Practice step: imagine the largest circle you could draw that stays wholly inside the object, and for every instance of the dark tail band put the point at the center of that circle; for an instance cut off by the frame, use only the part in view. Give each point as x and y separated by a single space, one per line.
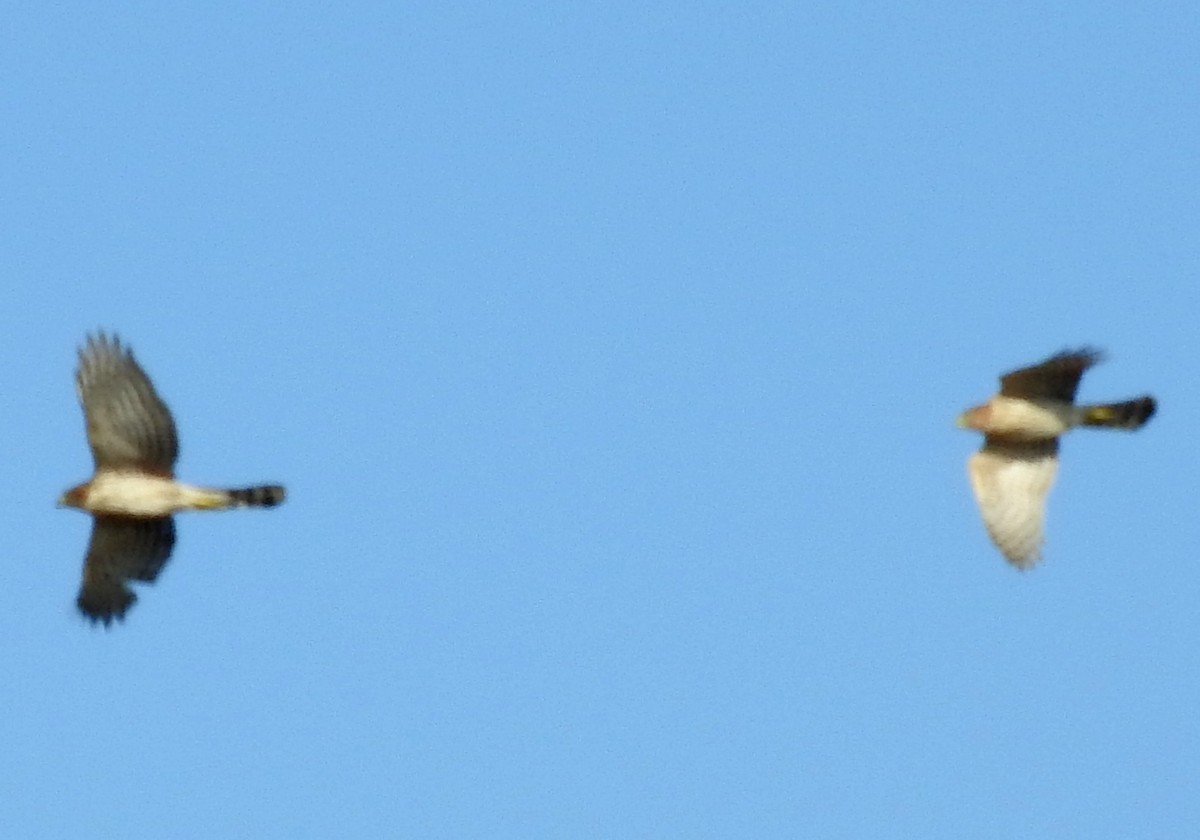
1131 414
267 495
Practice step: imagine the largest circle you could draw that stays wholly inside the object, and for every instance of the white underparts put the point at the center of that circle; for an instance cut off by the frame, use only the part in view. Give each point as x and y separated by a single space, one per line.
143 495
1031 419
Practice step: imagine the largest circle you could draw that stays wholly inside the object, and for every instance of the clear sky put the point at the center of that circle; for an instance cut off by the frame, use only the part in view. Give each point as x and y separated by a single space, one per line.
610 354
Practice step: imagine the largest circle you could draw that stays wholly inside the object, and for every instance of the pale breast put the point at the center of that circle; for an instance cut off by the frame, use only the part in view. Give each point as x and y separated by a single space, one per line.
132 494
1029 419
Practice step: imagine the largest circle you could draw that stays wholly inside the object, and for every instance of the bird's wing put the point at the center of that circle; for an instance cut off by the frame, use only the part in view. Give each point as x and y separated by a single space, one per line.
122 549
1057 378
128 425
1011 481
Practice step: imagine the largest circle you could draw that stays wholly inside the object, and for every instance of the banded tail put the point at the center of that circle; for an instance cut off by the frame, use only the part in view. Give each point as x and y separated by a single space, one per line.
1131 414
266 495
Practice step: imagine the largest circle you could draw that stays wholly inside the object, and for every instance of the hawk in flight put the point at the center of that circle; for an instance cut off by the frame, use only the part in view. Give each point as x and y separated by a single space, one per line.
133 492
1012 473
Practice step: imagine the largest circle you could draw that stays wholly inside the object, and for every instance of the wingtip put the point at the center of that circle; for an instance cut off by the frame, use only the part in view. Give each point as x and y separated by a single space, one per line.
105 607
1024 565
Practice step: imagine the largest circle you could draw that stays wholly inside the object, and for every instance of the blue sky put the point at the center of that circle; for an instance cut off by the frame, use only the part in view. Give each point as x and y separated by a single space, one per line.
610 355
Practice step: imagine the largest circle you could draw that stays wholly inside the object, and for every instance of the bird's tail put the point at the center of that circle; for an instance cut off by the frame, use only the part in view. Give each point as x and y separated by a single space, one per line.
265 495
1131 414
209 498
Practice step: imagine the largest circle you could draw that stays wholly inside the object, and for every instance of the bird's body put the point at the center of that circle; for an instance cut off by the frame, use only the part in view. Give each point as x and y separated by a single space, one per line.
123 493
1024 419
133 493
1013 472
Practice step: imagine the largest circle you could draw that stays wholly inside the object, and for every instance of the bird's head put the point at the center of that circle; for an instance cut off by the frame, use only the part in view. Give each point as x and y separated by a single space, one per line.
977 418
74 497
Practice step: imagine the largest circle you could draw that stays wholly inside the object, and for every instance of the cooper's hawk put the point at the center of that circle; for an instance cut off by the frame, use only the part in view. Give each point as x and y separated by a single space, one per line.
133 492
1012 473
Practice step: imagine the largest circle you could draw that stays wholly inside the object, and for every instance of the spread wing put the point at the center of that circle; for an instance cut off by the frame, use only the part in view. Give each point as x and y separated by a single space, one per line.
122 549
1011 482
128 425
1057 378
